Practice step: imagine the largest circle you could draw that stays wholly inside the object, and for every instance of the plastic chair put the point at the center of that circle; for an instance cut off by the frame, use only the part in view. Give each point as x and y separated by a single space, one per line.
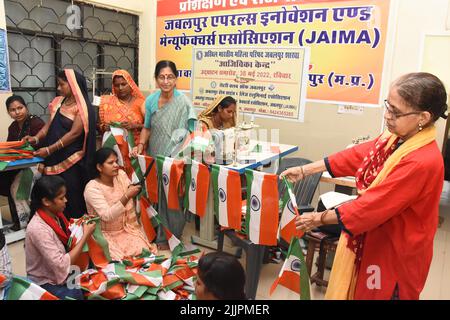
304 191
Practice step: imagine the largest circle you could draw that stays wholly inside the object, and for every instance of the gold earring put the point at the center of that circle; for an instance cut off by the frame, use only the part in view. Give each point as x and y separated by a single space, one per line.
420 126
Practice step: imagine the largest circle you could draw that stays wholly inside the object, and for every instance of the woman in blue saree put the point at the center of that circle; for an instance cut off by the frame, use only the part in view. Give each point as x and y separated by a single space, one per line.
169 117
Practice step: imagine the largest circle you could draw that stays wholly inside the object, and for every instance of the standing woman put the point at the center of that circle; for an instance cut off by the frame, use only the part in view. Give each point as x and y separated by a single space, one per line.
68 139
169 117
386 247
125 105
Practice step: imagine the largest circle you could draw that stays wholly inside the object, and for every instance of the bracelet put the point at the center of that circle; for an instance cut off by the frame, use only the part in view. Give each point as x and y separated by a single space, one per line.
36 140
323 216
62 144
48 150
303 172
126 197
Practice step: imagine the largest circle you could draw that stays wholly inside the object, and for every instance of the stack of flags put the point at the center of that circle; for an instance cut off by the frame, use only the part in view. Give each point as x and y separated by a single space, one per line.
14 150
145 277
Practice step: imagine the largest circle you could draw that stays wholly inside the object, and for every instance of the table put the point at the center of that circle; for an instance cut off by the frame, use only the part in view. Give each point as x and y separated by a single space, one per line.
206 236
343 184
17 165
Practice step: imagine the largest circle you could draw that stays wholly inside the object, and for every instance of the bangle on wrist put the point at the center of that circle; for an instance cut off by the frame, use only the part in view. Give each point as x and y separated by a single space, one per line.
303 172
48 150
126 197
322 216
61 143
36 140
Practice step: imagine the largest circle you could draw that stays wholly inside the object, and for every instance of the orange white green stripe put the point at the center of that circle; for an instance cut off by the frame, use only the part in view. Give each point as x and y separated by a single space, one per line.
262 208
289 212
169 173
227 197
197 188
293 274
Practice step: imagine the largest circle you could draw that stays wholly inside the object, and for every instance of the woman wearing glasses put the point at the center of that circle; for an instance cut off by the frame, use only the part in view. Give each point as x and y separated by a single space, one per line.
386 247
169 117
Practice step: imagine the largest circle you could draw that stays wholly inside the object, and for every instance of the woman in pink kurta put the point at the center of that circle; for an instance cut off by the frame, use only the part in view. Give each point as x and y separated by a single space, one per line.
110 196
386 247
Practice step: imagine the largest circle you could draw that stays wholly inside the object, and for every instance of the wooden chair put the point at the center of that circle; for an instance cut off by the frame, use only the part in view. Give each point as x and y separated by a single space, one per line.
325 245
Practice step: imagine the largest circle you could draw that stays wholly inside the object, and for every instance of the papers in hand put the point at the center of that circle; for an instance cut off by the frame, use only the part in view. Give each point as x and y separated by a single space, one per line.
334 199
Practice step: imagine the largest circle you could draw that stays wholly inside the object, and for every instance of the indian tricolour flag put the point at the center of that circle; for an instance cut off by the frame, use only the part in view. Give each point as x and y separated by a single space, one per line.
262 207
197 187
98 248
289 211
227 197
149 218
119 140
24 290
175 244
76 233
169 173
293 274
151 181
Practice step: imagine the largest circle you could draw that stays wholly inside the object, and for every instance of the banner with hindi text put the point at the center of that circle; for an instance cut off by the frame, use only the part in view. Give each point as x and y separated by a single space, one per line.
266 81
347 39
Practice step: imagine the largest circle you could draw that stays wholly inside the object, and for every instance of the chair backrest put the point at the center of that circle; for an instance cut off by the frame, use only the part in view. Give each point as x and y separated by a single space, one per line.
304 189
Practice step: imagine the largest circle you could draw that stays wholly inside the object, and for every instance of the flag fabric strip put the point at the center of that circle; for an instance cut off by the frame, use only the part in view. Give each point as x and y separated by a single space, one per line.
227 197
151 181
262 208
294 274
197 188
289 211
23 290
169 174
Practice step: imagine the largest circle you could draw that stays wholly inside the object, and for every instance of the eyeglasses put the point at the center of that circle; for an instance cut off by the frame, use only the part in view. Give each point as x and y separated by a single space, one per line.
170 77
395 115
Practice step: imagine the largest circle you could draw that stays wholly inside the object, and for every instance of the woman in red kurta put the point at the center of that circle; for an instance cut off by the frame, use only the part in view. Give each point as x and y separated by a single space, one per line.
386 248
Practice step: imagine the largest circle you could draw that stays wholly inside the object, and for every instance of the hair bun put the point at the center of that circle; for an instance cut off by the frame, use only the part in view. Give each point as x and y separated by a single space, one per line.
444 114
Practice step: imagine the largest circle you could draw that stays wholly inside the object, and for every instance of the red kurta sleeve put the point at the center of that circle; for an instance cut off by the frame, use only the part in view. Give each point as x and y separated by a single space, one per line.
346 162
405 185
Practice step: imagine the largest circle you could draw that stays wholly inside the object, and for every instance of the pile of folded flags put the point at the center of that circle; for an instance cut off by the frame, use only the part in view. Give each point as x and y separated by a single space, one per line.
14 150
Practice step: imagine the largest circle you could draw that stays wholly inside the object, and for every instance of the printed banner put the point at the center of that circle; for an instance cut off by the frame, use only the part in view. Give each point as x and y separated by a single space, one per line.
347 39
266 81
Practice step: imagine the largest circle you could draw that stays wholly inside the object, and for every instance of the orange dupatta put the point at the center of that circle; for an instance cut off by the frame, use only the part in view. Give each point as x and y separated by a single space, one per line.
111 109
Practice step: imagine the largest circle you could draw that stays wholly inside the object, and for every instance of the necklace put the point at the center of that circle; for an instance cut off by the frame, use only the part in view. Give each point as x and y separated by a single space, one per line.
128 100
67 104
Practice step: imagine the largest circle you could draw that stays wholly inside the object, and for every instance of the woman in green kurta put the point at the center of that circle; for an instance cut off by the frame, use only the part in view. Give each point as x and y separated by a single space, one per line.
169 117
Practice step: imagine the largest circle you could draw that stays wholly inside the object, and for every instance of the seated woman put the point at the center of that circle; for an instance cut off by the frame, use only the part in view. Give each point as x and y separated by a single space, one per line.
220 277
110 197
125 105
47 259
221 114
23 125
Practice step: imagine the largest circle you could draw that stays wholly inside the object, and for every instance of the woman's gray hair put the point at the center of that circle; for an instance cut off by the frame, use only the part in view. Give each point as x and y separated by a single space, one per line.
423 92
